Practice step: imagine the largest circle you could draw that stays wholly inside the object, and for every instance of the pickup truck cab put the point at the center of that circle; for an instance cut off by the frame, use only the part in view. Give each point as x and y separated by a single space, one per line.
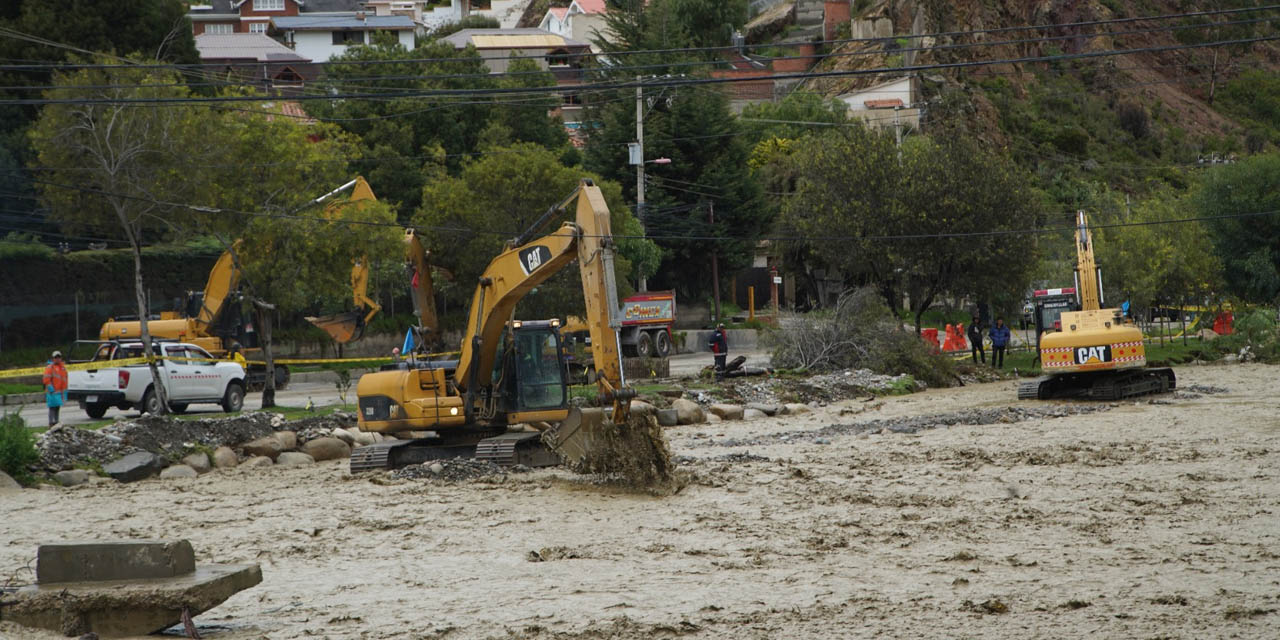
189 373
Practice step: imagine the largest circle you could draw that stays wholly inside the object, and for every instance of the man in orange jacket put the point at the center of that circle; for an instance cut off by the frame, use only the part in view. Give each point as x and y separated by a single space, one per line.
55 387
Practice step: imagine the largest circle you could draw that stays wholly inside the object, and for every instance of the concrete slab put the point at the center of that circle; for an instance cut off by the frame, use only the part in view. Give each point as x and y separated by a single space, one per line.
117 608
115 560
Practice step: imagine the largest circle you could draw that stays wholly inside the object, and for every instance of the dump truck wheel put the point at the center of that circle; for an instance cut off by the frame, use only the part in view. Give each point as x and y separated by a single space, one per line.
644 345
664 344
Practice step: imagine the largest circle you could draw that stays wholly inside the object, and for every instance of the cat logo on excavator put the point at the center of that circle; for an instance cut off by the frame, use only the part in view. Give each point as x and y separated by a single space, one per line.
1099 353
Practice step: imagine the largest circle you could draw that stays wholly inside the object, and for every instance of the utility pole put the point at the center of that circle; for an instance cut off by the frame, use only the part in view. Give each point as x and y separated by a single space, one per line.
897 128
715 261
643 283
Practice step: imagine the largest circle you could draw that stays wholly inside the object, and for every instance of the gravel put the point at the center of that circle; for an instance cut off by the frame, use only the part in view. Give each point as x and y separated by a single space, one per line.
1003 415
455 470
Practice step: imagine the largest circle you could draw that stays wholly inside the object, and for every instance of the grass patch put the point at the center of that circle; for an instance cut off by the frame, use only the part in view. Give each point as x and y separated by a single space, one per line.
7 388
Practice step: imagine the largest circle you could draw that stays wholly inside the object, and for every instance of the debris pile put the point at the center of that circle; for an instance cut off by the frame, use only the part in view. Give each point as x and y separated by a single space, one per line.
915 424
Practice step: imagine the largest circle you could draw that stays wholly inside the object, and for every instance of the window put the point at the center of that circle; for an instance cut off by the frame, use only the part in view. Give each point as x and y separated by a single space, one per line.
218 28
348 37
257 27
268 5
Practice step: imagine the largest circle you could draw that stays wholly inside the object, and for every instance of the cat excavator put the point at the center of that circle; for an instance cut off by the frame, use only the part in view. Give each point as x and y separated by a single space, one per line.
509 372
1094 352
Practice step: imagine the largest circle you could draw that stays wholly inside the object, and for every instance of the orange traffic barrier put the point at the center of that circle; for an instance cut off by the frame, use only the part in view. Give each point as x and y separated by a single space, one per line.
1222 325
930 336
955 340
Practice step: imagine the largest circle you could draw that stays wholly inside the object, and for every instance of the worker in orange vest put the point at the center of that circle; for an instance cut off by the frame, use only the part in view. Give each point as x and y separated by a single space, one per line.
55 387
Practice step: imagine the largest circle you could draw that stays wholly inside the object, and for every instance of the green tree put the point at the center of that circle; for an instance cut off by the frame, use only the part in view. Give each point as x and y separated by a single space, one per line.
708 172
529 118
641 25
1246 244
787 118
112 169
921 226
467 220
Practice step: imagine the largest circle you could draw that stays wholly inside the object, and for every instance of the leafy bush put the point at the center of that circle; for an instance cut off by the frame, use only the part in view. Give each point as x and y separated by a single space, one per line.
17 448
23 245
859 333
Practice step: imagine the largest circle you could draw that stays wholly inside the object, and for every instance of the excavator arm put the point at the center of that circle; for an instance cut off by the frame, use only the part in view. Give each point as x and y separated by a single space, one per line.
525 265
423 287
349 326
223 279
1088 275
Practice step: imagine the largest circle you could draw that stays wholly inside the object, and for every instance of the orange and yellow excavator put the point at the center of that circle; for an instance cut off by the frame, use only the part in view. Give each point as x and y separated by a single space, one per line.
1095 352
509 371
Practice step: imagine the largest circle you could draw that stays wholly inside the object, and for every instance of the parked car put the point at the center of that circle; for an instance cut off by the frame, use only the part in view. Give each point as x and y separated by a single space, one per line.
189 374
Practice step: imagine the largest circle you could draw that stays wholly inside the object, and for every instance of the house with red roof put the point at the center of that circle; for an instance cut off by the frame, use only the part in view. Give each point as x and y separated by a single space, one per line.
580 21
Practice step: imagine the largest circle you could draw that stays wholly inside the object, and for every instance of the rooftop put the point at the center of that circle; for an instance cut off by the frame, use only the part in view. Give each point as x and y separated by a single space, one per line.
591 6
244 46
329 23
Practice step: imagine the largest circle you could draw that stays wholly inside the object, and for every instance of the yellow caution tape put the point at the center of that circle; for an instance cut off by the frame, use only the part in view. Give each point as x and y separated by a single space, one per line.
79 366
106 364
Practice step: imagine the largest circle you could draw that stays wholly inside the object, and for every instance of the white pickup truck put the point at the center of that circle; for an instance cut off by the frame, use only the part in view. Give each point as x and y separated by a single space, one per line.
185 371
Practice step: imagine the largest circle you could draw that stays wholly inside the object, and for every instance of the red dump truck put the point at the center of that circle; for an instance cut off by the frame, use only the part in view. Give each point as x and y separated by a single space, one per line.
647 319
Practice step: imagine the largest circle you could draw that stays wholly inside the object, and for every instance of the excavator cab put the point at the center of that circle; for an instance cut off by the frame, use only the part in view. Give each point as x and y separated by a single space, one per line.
532 377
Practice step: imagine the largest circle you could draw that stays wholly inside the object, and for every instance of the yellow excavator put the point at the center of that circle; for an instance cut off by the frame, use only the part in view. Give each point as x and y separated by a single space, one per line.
1095 352
213 320
509 371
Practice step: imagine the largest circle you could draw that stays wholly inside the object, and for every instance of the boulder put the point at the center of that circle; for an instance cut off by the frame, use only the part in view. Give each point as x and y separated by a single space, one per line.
267 446
364 438
258 461
727 411
714 419
688 411
642 408
326 449
7 483
294 459
71 477
225 458
668 417
199 461
767 409
797 408
134 467
179 471
288 440
753 414
343 435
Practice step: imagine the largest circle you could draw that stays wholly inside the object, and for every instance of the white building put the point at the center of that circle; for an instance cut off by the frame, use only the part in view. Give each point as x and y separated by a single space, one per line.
887 104
580 21
321 37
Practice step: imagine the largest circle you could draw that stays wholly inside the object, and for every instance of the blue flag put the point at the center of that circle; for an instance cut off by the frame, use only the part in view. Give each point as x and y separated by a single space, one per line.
408 343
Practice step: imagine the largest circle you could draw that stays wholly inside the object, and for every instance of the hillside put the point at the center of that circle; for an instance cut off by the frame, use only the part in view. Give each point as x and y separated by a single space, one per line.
1121 121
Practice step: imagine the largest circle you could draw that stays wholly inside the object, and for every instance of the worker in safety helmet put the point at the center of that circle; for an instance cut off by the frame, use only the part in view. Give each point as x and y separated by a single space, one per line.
55 386
719 349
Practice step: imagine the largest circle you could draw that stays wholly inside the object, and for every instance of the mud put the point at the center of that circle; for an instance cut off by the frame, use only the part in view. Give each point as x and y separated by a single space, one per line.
1138 521
636 456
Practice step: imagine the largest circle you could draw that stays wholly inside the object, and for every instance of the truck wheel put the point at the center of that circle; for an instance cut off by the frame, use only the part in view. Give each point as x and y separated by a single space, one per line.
644 345
96 410
664 344
178 407
233 399
150 403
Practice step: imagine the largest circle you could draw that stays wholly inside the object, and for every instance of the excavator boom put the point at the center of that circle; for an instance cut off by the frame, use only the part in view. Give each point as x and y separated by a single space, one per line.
349 326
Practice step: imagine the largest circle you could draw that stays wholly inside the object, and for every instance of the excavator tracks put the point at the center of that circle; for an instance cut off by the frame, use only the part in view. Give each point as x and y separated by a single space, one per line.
1105 386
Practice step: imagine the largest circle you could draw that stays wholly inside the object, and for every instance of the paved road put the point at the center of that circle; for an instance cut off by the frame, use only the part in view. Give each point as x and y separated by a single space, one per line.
320 391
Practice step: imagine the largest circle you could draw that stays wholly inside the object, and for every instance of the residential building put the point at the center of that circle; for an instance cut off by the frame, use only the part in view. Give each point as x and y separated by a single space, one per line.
219 17
558 54
889 104
580 21
321 37
256 58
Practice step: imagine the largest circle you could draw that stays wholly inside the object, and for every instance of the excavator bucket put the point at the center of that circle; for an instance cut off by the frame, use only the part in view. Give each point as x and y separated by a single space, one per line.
589 442
342 327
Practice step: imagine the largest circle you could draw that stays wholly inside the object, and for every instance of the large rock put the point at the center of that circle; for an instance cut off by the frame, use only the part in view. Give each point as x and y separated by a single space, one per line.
71 477
288 440
753 414
327 449
225 458
365 438
134 467
642 408
258 461
668 418
179 471
766 409
294 459
268 446
7 483
688 411
797 408
199 461
343 435
726 411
